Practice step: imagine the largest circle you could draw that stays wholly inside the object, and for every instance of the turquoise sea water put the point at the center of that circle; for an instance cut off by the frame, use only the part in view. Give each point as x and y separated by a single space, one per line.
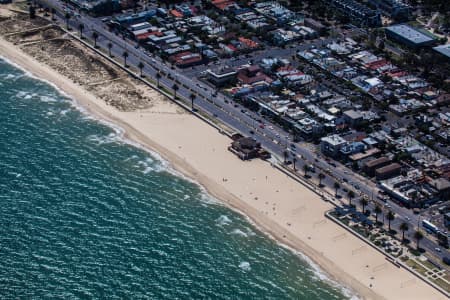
84 214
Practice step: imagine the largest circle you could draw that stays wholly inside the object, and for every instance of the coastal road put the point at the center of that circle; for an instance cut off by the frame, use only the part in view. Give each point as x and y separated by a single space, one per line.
271 136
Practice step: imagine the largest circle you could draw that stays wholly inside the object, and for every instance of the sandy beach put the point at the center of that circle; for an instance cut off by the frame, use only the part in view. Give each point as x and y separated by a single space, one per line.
277 204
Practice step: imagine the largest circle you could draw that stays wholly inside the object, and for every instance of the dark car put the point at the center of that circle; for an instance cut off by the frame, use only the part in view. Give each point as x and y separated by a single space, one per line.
446 260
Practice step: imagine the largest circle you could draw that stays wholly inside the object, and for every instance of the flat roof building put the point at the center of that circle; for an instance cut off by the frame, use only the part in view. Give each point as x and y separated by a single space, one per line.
444 50
331 145
353 117
388 171
409 36
372 165
221 76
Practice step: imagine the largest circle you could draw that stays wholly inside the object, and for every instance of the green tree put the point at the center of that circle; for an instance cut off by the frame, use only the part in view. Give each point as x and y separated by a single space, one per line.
141 66
418 235
32 11
125 56
95 37
337 186
158 77
404 227
67 17
321 177
192 97
363 201
350 195
110 45
81 28
390 216
305 169
377 210
175 89
285 155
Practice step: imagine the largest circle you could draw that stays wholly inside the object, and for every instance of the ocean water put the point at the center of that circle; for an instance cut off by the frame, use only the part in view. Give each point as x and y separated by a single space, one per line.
85 214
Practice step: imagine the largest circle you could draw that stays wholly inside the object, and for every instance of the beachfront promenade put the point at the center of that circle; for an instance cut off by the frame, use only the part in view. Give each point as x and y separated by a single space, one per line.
281 206
222 109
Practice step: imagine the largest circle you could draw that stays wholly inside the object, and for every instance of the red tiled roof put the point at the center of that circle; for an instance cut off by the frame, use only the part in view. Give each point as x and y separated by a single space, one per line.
176 13
222 4
144 36
248 42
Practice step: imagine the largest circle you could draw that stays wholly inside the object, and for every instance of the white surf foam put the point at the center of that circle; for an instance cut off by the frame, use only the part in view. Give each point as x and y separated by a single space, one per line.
47 99
147 165
245 266
239 232
223 221
12 76
64 112
319 274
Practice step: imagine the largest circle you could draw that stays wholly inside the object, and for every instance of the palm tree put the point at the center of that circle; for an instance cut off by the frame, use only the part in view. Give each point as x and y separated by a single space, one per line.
390 216
418 235
377 211
192 97
141 66
305 169
81 27
67 17
158 77
350 195
404 227
110 45
294 161
95 37
285 155
321 177
125 56
363 201
336 187
175 89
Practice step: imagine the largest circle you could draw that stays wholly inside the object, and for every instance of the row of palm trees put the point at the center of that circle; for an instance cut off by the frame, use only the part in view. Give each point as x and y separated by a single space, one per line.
125 55
390 216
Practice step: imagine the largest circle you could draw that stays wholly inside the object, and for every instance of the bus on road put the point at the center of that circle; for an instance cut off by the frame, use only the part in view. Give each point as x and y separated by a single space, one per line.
429 226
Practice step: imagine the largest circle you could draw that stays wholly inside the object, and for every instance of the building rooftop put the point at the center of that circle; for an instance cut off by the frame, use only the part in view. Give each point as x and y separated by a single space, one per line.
388 168
410 33
376 162
353 114
334 140
443 49
221 72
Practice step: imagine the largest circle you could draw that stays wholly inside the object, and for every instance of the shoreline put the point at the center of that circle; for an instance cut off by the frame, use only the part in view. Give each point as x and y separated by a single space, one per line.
99 109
